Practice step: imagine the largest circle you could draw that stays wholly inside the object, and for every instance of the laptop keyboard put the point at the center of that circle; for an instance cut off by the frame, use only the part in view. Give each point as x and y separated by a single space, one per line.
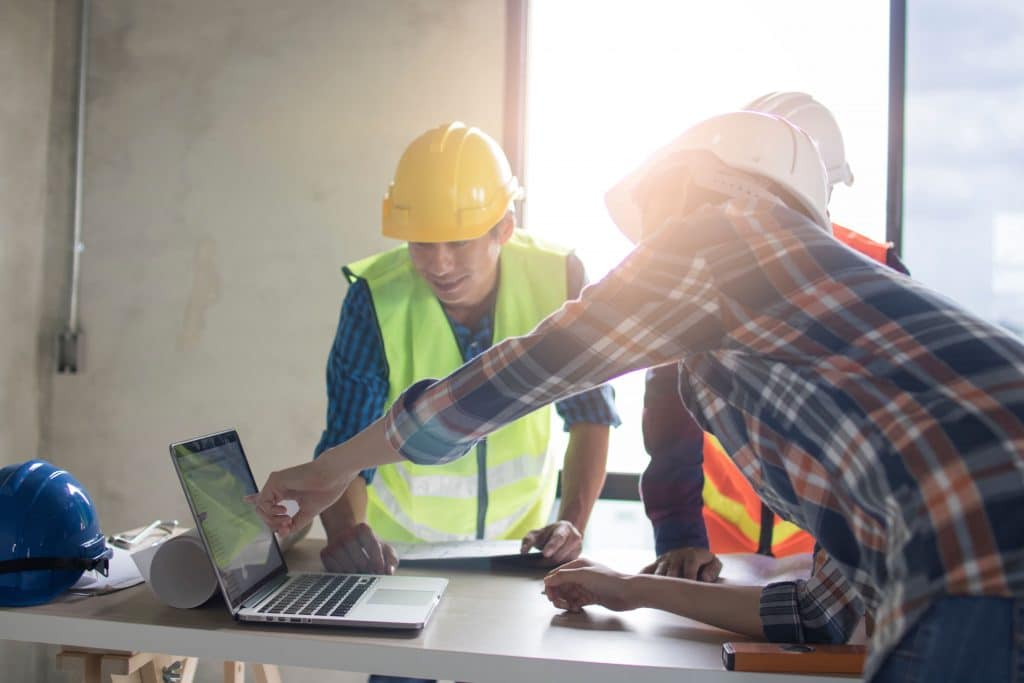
319 595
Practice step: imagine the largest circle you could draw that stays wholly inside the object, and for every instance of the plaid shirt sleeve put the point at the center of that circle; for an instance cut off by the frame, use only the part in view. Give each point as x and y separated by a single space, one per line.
823 609
357 376
596 406
651 309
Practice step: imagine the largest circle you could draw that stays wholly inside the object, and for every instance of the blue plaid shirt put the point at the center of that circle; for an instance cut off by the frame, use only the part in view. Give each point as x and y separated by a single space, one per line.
357 374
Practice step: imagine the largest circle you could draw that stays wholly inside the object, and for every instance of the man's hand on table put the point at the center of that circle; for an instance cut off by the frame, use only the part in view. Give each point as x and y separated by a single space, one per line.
357 550
698 564
558 542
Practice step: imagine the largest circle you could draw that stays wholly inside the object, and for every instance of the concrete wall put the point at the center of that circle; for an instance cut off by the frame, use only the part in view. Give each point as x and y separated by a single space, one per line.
236 154
26 148
26 31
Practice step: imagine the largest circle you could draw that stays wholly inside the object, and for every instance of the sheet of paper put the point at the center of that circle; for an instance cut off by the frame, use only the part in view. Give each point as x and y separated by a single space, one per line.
456 550
122 573
750 569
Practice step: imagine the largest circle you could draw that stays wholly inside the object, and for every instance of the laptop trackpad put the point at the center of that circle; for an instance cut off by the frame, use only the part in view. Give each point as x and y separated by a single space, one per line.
399 596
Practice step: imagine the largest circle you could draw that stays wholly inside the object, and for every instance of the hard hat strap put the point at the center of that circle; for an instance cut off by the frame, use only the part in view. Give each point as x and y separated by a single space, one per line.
28 564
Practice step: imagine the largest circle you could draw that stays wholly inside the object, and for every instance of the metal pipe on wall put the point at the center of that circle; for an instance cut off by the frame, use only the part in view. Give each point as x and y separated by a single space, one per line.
68 343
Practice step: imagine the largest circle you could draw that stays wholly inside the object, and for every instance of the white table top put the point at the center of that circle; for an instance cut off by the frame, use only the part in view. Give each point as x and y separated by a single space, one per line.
493 624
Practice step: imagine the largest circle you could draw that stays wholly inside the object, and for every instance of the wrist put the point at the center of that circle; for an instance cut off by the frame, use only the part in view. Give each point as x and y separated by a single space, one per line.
570 519
637 590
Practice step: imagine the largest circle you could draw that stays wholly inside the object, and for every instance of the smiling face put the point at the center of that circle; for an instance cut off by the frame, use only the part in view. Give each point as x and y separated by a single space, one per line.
462 274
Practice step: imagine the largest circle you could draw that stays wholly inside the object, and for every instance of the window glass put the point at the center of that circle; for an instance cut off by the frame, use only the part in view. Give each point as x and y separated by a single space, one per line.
963 219
608 82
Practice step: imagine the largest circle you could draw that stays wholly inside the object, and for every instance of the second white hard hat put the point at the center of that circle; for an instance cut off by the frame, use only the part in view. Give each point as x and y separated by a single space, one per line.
805 112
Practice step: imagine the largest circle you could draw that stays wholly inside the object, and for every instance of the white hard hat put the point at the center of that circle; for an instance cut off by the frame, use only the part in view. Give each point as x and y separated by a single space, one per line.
805 112
746 143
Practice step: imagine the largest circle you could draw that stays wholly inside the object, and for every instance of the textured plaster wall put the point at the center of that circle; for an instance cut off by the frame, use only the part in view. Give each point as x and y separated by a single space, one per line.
236 154
26 47
31 149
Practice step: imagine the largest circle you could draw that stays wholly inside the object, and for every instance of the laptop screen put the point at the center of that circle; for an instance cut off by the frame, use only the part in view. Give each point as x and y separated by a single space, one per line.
216 478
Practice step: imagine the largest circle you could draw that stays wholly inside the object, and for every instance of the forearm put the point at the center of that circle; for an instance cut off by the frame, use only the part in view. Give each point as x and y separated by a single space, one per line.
366 450
583 472
348 511
731 607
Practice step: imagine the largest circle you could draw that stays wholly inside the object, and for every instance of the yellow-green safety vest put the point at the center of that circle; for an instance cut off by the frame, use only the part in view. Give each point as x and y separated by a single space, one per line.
409 502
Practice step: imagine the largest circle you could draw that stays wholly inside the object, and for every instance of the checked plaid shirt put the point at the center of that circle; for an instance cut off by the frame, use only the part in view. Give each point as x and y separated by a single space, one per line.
862 406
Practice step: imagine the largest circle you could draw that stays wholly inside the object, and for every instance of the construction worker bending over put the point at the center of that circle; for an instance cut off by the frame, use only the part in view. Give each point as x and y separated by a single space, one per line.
870 411
698 501
466 278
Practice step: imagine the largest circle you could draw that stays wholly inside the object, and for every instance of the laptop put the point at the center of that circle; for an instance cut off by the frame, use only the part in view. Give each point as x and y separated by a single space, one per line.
251 570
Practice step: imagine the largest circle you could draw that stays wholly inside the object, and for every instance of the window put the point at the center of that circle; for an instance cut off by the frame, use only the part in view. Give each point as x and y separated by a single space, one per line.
609 82
964 210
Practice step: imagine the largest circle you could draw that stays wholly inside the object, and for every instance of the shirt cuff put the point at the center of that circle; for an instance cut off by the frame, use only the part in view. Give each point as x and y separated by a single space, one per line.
780 613
407 434
595 406
674 534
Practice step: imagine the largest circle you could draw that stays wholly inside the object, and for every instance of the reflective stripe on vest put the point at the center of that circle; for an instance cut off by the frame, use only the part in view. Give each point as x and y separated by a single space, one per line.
732 509
409 502
458 485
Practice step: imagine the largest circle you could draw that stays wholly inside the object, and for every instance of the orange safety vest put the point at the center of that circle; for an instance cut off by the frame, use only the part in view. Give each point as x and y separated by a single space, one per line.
736 519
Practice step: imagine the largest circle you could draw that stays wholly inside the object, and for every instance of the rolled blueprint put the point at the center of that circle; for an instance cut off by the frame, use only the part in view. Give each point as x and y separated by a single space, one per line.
178 571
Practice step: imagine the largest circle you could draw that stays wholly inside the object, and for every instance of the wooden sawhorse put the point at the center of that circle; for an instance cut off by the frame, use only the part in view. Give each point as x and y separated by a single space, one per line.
92 665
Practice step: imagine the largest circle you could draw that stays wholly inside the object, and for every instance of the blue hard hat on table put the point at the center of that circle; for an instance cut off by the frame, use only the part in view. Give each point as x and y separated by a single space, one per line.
49 533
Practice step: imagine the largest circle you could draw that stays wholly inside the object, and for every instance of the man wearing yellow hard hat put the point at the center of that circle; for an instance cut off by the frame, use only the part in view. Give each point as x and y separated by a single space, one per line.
465 279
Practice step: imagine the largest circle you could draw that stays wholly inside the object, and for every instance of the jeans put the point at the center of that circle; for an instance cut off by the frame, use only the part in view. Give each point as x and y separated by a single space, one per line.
961 639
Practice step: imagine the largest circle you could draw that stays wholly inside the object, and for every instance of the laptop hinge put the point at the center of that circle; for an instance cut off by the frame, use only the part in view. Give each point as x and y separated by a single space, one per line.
257 597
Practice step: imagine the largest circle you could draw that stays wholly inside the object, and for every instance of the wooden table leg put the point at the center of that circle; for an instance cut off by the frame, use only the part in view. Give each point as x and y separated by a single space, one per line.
266 673
234 672
84 665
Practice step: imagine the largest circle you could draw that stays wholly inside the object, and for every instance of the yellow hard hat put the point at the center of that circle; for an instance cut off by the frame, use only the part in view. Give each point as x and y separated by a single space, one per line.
452 183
